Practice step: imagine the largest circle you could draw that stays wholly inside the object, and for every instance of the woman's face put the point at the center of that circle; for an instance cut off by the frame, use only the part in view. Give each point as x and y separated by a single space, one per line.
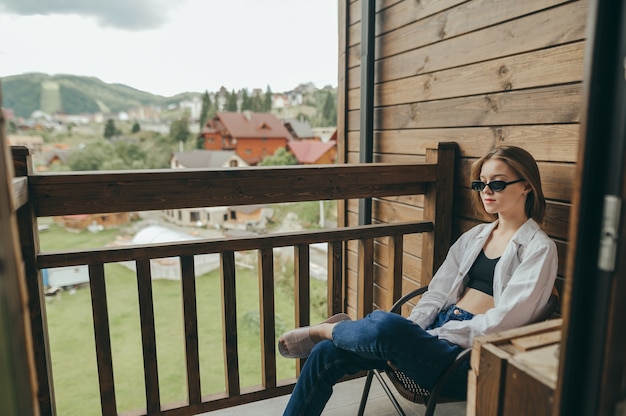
511 200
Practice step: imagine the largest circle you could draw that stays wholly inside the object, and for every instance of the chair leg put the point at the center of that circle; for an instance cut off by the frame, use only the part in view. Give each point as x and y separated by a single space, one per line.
430 408
389 393
366 392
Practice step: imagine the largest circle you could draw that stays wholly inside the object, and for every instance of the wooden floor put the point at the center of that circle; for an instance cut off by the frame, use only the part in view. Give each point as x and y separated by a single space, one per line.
344 402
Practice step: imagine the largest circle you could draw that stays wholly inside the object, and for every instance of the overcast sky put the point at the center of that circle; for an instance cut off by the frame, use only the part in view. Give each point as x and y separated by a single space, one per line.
171 46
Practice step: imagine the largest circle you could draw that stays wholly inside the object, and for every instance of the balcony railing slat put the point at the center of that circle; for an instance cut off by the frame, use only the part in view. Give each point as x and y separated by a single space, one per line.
229 310
130 253
396 249
267 321
148 335
302 289
102 192
335 278
190 314
102 336
366 277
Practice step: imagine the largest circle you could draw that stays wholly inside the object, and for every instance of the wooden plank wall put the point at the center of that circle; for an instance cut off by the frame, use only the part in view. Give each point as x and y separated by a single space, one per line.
482 73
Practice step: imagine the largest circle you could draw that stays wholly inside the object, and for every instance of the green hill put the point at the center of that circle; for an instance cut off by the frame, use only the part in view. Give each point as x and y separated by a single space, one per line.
72 94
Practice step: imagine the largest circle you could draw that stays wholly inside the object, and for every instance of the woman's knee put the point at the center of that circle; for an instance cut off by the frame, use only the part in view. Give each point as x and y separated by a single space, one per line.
324 351
385 324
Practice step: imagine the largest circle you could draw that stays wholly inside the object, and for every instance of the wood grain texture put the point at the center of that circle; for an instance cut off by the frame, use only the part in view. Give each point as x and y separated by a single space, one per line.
104 356
88 193
229 323
190 318
148 336
267 317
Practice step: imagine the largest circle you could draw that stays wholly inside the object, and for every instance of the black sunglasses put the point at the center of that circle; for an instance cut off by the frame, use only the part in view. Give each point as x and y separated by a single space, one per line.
495 186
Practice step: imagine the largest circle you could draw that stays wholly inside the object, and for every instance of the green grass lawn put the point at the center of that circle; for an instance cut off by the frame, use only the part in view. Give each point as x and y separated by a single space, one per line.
70 328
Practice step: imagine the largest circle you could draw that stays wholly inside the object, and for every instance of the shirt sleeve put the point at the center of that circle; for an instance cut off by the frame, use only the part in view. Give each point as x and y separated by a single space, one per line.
523 296
433 300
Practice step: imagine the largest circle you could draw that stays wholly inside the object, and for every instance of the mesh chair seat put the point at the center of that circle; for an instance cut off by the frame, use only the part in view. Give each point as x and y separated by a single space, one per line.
408 388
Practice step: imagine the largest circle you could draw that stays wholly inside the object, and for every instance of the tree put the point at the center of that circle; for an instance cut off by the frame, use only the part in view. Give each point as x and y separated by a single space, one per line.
256 104
91 157
109 129
231 102
281 157
11 127
70 126
200 142
246 102
132 156
136 127
206 108
267 102
179 131
329 111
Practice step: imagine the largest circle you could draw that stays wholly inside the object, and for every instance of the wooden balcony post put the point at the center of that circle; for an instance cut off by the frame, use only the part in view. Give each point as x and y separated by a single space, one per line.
17 381
29 241
438 202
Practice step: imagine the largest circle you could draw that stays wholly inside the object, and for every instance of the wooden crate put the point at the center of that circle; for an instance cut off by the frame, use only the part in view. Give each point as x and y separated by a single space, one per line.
514 372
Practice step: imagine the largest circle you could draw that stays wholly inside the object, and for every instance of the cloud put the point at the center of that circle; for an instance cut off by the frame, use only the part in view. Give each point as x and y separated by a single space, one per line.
122 14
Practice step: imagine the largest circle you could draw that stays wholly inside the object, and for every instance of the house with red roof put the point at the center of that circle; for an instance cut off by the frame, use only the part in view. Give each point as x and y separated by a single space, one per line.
252 136
313 152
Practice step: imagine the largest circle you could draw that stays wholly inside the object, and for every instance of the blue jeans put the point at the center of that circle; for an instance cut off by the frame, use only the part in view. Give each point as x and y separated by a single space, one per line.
368 344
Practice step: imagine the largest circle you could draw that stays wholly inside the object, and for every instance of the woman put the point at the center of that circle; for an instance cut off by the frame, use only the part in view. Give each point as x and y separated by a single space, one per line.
496 276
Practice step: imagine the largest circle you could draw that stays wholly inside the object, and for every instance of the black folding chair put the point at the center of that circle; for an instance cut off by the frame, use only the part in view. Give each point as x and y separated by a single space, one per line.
412 391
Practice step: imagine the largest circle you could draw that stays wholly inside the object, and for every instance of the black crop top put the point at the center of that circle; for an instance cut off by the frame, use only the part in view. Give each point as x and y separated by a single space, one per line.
481 274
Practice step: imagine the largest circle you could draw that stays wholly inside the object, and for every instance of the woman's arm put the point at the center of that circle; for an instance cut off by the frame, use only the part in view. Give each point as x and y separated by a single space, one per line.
442 282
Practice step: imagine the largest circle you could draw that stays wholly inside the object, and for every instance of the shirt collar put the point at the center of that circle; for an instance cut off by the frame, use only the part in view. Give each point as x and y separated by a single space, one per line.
522 236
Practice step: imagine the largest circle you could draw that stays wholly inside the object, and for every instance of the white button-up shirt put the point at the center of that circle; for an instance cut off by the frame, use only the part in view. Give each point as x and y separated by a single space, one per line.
522 283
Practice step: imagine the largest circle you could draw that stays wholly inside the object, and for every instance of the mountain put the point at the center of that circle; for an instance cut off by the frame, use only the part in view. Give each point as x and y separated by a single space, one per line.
73 94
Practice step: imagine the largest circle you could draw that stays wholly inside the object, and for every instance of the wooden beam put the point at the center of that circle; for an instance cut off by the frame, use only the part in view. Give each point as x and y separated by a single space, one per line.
163 250
102 192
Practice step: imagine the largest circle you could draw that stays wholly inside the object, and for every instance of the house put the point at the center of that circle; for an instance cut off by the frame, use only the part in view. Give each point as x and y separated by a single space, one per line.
93 222
196 159
252 136
210 217
299 129
54 157
311 152
247 217
325 133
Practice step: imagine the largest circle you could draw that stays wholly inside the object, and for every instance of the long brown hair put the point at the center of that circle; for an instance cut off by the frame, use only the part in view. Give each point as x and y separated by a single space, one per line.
525 166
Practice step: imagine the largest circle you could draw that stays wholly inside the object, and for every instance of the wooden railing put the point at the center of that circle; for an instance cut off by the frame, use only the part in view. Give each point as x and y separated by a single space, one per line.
103 192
